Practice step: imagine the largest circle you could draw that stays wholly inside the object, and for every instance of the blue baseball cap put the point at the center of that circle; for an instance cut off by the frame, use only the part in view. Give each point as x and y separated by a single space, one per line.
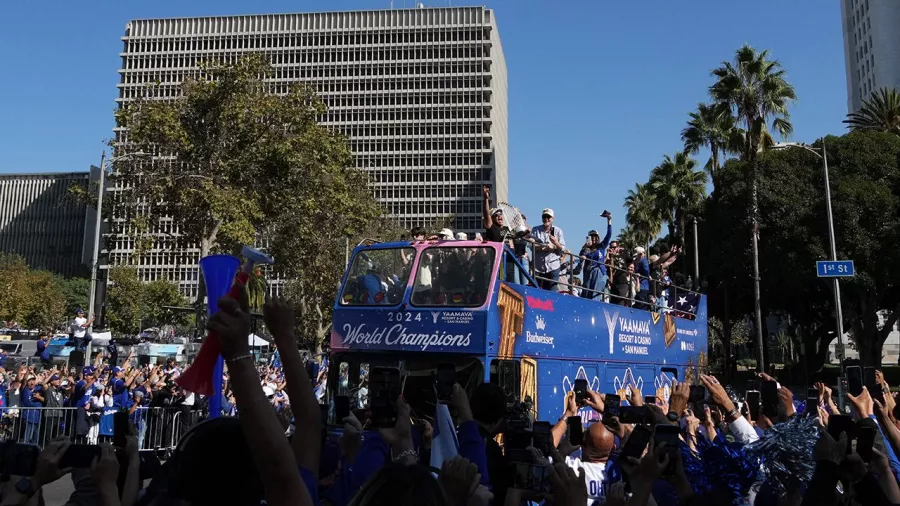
88 371
55 377
117 369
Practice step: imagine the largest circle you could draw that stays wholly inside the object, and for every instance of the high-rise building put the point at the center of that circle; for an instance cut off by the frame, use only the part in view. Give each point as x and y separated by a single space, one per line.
420 93
42 223
871 47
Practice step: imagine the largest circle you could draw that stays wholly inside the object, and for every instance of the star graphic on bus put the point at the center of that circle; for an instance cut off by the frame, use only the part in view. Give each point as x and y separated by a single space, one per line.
664 385
623 387
569 385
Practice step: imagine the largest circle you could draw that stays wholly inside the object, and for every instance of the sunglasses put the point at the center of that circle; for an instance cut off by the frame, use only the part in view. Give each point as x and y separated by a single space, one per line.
546 217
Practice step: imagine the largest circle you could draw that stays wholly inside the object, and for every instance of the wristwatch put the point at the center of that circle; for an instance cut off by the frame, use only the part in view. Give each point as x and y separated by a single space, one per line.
672 416
25 487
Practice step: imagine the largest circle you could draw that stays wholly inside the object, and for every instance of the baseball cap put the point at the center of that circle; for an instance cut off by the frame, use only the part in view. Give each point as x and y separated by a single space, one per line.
639 250
446 233
462 236
138 393
55 377
495 211
593 232
117 369
88 371
548 212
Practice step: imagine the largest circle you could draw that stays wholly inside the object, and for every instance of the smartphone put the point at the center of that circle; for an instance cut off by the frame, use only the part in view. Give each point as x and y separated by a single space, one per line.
581 386
854 379
668 434
650 400
611 406
865 439
868 376
752 398
633 414
19 459
384 389
341 408
541 437
753 384
876 390
841 423
79 456
120 428
697 395
446 378
769 398
637 441
575 430
812 401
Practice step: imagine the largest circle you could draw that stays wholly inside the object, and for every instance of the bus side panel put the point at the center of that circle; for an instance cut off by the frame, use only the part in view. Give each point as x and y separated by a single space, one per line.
558 381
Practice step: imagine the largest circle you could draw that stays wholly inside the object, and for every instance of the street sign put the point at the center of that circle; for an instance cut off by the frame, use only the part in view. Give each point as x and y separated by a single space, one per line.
835 269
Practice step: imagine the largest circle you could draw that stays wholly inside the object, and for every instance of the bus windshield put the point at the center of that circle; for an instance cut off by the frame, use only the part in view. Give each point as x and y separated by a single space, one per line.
459 277
417 373
378 277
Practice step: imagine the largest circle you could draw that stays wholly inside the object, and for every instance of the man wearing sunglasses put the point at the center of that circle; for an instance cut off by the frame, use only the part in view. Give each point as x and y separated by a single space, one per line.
549 244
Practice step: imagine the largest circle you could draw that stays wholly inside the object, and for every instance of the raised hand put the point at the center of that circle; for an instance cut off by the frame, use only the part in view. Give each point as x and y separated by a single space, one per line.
787 398
568 488
862 403
594 400
232 325
47 470
459 478
279 317
828 449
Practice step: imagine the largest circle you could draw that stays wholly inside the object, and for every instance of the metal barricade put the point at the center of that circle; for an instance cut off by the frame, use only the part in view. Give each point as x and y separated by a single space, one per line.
158 429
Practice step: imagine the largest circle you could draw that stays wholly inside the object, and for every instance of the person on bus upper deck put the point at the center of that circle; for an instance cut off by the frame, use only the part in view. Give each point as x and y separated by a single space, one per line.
642 269
445 234
549 242
492 219
595 275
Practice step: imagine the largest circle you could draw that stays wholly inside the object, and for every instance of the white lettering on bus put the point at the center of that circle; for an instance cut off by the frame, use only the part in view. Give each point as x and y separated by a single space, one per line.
398 336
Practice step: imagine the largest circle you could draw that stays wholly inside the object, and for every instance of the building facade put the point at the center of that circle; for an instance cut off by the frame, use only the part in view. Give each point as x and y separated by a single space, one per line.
420 93
871 47
42 223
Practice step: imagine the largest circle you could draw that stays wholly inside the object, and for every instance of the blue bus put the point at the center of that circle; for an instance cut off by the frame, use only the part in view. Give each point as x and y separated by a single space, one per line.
414 305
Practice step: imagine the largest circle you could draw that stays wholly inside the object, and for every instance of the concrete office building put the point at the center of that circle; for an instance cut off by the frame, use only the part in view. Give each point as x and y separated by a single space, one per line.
42 223
871 47
421 94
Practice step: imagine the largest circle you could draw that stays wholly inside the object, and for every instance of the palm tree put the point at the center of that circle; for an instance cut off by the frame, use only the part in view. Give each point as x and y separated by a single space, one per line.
641 216
677 190
755 89
256 289
880 113
712 126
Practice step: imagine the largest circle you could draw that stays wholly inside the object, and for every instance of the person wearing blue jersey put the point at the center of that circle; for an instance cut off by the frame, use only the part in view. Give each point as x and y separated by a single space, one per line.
594 251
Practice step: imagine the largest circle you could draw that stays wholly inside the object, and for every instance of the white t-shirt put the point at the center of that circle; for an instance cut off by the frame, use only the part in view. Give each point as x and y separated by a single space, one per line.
77 329
594 478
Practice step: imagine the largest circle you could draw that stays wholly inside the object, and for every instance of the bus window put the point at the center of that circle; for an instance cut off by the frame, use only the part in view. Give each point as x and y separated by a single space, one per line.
459 277
378 277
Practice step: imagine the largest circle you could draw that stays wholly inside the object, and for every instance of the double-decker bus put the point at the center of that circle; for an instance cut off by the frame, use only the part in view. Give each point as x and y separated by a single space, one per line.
414 305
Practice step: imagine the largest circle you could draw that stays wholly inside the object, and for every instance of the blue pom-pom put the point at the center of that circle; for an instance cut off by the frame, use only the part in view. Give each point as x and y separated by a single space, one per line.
720 469
785 452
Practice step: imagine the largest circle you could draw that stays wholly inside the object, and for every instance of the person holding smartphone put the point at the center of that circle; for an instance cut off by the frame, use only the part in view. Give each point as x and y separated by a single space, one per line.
595 275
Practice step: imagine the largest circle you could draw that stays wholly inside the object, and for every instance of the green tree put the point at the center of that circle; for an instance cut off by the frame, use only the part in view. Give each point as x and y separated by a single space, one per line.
238 159
865 186
132 305
755 89
677 191
77 292
880 113
641 216
46 307
15 292
712 126
124 301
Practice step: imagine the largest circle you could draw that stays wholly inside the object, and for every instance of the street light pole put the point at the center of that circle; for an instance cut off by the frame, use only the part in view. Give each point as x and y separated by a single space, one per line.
838 312
95 254
696 257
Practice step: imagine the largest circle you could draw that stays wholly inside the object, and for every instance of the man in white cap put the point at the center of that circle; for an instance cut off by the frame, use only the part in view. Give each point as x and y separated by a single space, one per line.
549 244
642 269
446 234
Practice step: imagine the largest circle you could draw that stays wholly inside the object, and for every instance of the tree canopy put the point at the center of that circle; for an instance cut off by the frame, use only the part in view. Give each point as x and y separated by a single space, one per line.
239 160
132 305
879 113
38 299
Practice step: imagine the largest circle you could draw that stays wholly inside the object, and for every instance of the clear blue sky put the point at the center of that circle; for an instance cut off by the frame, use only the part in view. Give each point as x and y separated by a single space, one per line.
598 90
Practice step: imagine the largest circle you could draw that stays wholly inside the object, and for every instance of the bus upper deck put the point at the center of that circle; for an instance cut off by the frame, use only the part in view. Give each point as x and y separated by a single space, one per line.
420 303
